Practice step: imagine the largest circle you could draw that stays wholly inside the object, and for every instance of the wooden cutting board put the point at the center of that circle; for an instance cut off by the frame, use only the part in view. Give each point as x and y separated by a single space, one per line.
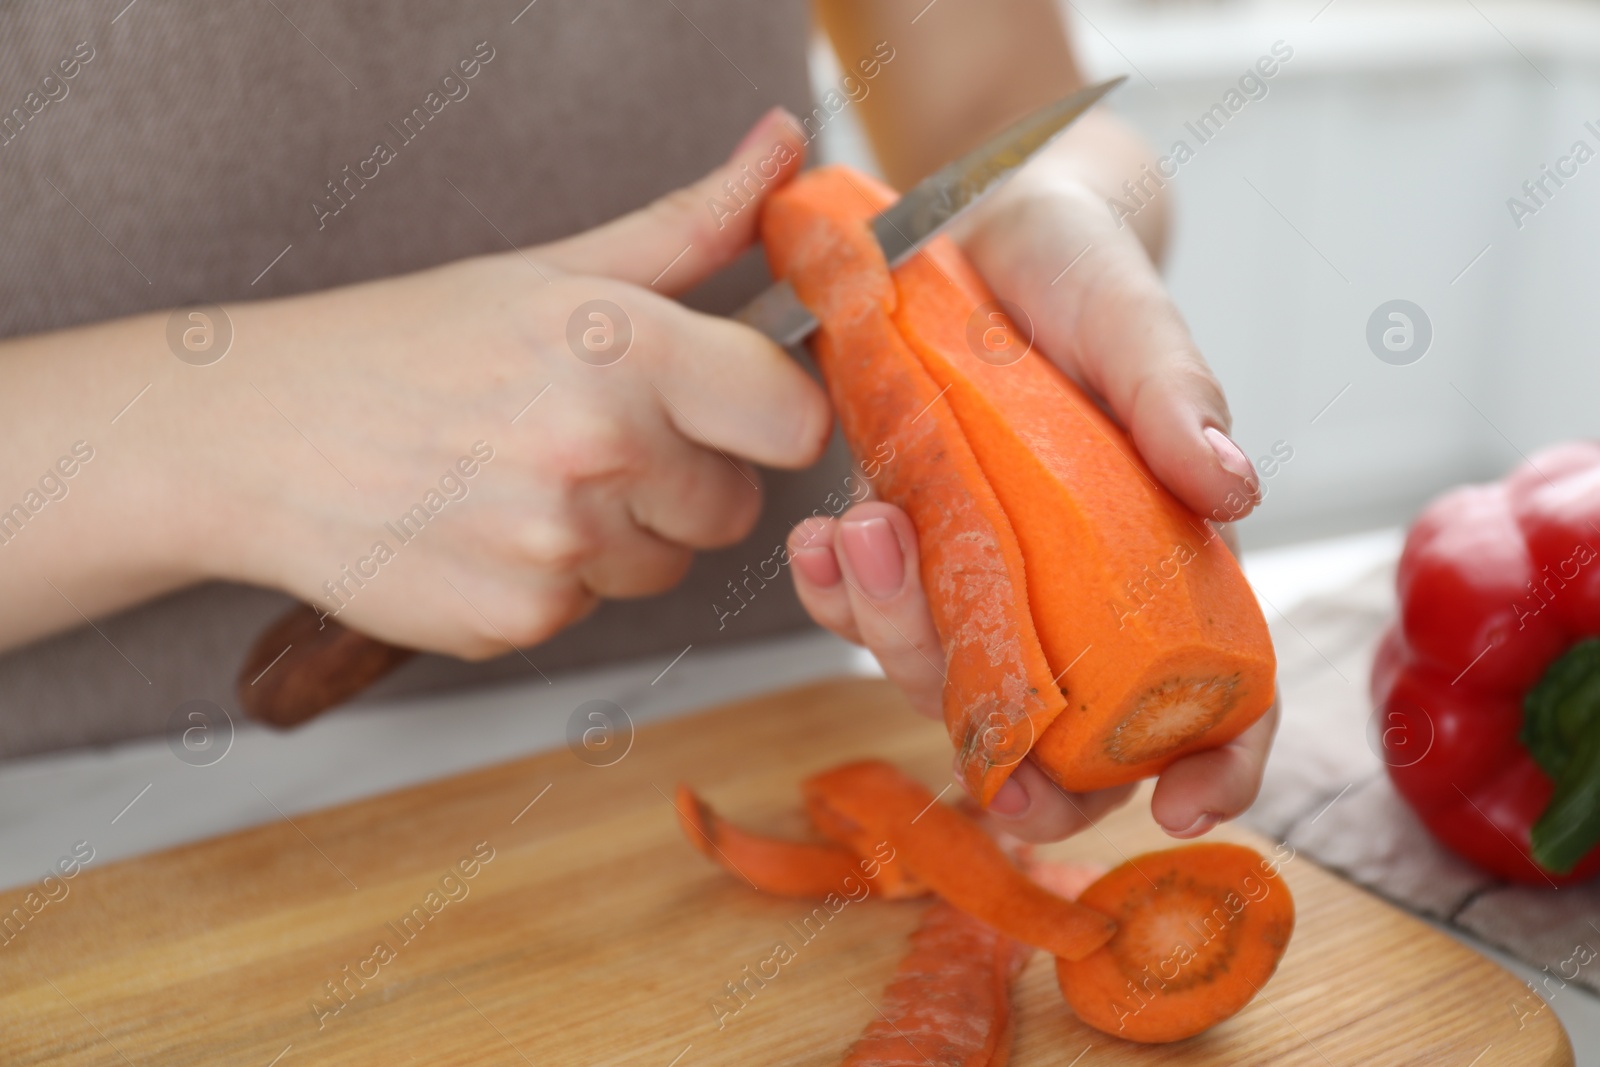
569 924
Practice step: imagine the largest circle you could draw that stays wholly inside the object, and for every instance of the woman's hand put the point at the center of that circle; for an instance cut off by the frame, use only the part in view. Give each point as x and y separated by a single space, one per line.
1107 322
612 458
1099 310
458 460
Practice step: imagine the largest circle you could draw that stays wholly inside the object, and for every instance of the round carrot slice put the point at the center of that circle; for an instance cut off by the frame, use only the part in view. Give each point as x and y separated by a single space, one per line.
1200 929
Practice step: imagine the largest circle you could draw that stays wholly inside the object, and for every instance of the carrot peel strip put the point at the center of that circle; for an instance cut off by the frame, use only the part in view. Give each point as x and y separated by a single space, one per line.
949 1003
954 857
785 868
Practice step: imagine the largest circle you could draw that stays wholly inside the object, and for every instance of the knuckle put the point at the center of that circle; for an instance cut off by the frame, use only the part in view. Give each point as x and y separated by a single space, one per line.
734 503
590 316
1184 377
475 648
495 625
681 209
815 425
1191 374
594 447
534 619
552 545
667 573
744 511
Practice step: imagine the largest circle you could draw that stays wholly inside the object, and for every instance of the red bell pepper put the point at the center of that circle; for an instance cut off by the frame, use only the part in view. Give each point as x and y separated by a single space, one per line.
1488 684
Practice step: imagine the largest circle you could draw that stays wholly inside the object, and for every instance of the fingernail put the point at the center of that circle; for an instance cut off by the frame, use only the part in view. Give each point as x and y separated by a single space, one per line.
1011 800
817 566
759 132
875 557
1231 457
1201 825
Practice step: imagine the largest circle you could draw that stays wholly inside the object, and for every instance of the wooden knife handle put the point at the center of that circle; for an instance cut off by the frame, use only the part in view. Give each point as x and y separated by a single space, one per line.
304 664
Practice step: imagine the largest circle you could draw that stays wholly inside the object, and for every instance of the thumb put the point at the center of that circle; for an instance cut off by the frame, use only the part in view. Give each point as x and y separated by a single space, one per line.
691 233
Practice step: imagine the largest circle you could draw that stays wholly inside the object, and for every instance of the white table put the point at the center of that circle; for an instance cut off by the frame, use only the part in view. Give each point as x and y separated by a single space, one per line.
137 797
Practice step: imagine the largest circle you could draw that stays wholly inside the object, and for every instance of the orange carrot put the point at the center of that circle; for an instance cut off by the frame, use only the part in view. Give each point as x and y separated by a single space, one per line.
1136 600
949 1003
999 692
1132 598
786 868
953 857
1200 929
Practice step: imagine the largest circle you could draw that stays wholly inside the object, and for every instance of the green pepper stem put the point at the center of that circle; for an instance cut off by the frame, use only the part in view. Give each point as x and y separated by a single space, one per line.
1570 825
1561 731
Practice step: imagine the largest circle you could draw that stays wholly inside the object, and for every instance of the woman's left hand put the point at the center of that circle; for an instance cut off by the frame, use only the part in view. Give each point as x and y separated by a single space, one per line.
1100 312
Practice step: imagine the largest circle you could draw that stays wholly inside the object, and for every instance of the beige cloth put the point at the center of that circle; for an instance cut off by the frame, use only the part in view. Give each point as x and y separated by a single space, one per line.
195 138
1326 792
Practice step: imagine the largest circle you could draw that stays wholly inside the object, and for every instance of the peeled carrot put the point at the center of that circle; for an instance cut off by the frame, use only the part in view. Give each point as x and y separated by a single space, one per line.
950 1000
786 868
1200 929
1135 598
1138 606
999 693
953 857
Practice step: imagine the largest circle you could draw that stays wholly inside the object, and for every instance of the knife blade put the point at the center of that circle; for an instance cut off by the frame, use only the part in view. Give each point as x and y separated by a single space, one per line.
930 206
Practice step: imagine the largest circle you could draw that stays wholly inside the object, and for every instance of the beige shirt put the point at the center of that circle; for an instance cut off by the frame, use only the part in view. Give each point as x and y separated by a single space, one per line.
169 153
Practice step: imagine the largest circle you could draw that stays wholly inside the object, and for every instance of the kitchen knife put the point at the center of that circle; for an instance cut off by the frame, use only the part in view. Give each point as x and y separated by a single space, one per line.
306 662
932 205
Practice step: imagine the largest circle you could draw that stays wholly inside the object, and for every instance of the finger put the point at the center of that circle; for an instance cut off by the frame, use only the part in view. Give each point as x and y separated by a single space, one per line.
640 564
686 236
1199 791
1135 351
725 386
630 561
1031 806
495 613
695 497
876 546
1112 326
720 383
818 580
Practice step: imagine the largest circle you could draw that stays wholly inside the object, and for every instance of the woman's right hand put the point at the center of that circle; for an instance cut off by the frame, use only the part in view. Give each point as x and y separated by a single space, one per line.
336 414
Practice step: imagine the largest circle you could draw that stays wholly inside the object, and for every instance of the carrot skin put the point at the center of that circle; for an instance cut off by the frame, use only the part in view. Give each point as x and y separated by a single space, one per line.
949 1003
784 868
955 858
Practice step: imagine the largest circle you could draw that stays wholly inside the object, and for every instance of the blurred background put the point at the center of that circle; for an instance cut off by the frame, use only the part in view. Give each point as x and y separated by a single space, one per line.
1376 167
